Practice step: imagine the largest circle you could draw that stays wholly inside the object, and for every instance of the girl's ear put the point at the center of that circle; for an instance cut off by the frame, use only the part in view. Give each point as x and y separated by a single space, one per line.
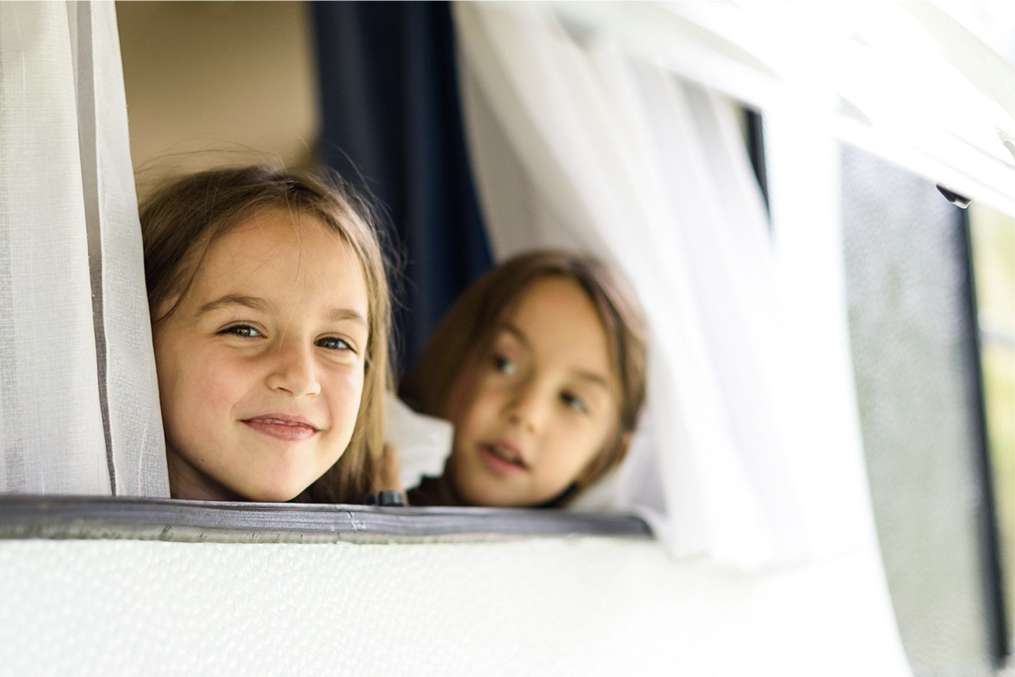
459 389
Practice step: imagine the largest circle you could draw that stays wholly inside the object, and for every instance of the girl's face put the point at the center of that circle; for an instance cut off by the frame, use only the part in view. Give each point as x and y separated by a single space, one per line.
261 364
532 412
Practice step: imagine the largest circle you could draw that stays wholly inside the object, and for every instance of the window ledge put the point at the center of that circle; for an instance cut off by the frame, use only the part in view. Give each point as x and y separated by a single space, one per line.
87 517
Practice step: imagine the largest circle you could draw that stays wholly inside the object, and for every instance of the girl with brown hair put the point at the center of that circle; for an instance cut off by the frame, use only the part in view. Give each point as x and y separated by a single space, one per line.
271 320
540 367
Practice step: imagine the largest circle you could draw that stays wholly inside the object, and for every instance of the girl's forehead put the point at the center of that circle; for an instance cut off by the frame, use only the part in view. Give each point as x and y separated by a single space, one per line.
555 319
293 258
274 227
550 301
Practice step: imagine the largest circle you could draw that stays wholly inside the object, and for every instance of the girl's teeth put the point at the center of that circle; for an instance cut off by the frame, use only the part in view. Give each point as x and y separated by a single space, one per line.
278 421
503 455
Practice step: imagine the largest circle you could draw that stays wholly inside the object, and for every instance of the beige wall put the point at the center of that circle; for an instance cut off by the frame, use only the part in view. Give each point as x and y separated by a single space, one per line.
217 82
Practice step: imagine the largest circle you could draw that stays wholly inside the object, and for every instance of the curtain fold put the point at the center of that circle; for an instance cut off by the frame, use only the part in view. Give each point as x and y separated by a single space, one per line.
907 81
79 410
577 144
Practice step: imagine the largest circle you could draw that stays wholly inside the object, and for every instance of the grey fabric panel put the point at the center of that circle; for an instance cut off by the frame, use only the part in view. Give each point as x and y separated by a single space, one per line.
914 357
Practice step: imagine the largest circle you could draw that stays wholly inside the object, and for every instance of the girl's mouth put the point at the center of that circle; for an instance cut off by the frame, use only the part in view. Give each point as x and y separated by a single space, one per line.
502 459
290 429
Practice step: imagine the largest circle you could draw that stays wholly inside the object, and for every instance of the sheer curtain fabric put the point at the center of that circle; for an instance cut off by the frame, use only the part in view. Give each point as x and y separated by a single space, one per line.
576 143
79 410
953 122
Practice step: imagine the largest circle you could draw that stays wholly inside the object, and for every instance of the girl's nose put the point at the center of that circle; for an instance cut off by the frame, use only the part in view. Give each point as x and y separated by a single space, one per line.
528 408
294 371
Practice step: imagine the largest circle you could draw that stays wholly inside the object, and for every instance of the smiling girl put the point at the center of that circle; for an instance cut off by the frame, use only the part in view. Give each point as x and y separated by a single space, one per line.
270 318
540 367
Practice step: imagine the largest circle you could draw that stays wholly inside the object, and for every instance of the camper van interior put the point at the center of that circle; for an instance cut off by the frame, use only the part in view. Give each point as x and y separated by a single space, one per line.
785 309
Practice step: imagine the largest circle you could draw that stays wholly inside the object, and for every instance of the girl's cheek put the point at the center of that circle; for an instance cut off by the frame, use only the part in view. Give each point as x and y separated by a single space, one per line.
345 377
345 389
460 394
220 389
218 381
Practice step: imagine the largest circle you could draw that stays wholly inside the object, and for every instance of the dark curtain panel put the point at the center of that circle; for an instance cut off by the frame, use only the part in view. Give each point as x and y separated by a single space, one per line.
392 126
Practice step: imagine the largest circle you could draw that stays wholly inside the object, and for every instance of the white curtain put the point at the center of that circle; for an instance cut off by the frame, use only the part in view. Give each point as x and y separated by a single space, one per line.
79 411
905 80
749 451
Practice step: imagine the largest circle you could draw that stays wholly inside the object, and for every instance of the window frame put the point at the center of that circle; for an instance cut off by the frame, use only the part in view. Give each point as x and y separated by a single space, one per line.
175 520
995 581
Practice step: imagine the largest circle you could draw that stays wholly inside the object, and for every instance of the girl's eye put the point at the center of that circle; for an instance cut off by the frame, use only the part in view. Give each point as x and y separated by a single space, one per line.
574 402
333 343
242 330
503 364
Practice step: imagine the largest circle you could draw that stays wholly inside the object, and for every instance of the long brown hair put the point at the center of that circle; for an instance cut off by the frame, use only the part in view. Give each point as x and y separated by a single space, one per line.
181 220
466 330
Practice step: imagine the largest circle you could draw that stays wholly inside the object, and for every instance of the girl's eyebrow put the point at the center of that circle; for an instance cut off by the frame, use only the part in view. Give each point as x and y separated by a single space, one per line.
592 377
263 305
342 314
252 302
509 328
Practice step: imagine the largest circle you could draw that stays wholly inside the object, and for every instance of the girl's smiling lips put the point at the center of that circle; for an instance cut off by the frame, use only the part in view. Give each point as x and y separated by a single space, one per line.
283 426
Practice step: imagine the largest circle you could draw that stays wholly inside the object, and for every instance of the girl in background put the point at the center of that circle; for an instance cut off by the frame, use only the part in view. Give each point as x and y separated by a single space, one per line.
270 317
540 368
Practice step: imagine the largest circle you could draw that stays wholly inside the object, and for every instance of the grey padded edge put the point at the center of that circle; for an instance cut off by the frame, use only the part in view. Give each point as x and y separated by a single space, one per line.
86 517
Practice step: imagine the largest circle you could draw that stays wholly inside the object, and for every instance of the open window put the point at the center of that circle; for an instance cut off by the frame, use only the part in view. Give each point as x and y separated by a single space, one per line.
757 453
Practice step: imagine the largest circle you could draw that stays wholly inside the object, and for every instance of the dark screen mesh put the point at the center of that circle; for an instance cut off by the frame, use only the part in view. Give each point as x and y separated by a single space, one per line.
915 363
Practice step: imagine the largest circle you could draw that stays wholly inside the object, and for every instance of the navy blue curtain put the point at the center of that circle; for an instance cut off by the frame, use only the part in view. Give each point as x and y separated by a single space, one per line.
392 126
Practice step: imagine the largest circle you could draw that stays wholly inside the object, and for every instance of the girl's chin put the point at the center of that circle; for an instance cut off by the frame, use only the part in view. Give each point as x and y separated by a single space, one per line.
280 496
279 493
